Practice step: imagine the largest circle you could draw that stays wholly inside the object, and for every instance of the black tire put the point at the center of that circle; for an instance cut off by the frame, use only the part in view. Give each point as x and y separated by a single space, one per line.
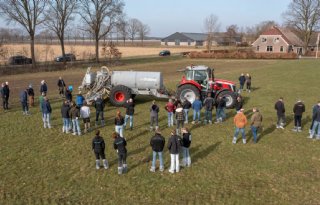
119 95
231 98
188 91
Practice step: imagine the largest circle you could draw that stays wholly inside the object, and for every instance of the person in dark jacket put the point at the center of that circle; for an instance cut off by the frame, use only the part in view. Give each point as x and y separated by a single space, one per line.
242 80
208 104
157 143
174 146
119 122
68 94
316 122
61 86
248 82
98 147
279 107
154 110
314 109
24 102
120 144
65 109
5 96
31 95
186 105
298 110
221 106
75 115
99 105
186 142
179 118
129 105
46 112
239 103
43 87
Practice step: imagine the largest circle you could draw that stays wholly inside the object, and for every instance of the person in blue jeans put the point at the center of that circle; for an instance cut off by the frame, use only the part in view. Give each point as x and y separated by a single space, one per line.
46 112
186 105
157 143
186 142
129 113
240 121
208 104
119 122
196 106
256 121
65 109
221 105
74 115
316 122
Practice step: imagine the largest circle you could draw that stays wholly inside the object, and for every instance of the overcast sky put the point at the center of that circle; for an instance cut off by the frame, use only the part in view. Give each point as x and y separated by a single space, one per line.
168 16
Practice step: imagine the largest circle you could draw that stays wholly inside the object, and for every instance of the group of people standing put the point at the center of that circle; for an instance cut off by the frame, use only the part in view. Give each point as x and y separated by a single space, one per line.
245 79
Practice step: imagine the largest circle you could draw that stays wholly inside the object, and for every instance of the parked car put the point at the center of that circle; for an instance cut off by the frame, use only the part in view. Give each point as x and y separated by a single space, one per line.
66 57
19 60
164 53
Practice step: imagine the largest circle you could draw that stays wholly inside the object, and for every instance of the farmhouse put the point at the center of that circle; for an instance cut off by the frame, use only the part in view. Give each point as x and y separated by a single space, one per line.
198 39
278 40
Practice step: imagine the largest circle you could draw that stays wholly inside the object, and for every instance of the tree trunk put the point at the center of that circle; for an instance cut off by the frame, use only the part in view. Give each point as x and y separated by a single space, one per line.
62 49
97 50
32 51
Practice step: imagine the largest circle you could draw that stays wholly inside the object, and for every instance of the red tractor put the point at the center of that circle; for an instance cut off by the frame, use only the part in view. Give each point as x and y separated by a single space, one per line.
199 80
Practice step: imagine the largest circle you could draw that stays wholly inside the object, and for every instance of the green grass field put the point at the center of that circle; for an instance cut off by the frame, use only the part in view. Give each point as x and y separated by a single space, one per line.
45 166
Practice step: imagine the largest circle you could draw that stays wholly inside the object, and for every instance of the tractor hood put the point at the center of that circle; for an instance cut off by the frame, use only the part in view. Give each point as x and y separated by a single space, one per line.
224 81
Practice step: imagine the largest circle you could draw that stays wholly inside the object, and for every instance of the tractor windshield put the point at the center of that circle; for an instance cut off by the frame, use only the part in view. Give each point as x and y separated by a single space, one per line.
189 74
200 75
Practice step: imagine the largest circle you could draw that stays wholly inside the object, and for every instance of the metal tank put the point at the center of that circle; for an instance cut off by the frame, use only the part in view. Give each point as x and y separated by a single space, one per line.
137 79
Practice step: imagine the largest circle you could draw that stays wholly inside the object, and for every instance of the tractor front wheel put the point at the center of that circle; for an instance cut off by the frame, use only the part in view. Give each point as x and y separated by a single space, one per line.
230 98
188 92
119 95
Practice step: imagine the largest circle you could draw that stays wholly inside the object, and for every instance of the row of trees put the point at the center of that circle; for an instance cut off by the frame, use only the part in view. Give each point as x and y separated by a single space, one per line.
98 17
301 16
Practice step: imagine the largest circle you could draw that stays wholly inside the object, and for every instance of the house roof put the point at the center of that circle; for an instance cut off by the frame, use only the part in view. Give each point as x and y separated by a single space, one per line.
285 33
196 36
314 37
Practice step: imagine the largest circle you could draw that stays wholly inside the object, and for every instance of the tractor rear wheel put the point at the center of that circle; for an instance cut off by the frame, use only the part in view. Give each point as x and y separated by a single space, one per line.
119 95
230 98
188 92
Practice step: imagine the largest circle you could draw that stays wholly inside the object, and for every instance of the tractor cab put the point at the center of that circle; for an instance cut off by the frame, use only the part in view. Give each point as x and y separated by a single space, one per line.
203 75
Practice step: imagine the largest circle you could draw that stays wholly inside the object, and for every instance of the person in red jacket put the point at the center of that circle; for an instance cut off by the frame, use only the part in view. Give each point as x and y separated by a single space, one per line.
170 107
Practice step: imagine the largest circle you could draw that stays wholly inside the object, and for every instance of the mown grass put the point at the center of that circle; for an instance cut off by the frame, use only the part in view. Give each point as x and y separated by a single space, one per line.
41 166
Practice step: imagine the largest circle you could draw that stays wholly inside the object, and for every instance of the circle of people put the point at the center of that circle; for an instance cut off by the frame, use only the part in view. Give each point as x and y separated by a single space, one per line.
177 112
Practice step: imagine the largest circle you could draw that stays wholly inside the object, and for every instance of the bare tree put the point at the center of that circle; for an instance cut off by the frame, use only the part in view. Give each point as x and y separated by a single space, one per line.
304 16
122 28
211 25
143 31
100 16
231 32
133 28
58 16
27 13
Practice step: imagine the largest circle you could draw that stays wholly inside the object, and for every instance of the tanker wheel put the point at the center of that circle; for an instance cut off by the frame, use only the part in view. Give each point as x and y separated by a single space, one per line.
230 98
188 92
119 95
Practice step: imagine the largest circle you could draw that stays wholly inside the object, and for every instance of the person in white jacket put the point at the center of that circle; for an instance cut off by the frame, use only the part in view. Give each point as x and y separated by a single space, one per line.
85 115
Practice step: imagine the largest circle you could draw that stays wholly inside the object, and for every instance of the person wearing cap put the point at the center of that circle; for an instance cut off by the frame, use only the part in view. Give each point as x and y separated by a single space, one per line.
43 87
31 95
240 121
154 111
119 122
99 105
279 107
180 118
170 107
129 105
5 95
174 147
208 104
298 110
79 99
157 143
256 121
24 101
61 86
46 112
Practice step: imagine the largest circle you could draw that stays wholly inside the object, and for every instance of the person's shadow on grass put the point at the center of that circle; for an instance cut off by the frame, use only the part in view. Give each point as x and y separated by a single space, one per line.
203 153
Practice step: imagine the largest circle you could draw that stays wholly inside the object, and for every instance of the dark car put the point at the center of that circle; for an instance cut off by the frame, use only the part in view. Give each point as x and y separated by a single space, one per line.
19 60
164 53
66 57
